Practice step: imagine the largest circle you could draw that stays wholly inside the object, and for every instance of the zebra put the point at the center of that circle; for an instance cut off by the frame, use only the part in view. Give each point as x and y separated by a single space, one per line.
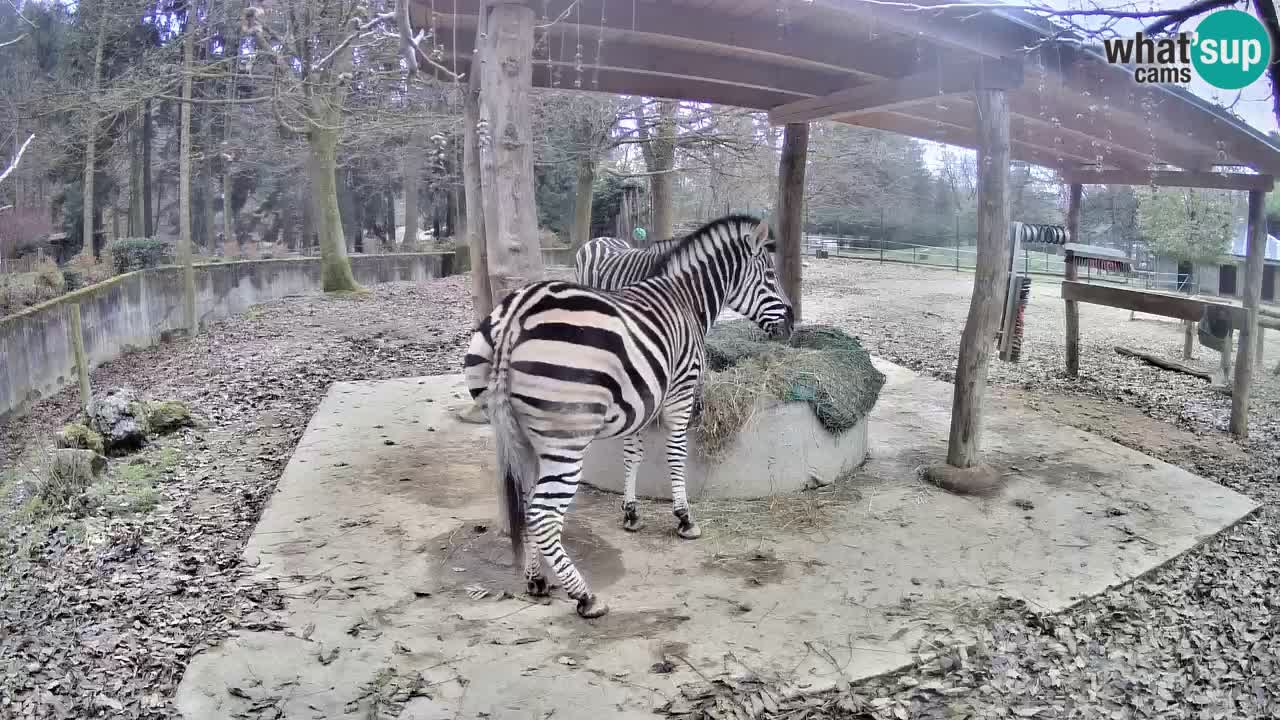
561 364
609 263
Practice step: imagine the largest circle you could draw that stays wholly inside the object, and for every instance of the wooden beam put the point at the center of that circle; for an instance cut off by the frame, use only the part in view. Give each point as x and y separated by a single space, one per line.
977 31
1171 116
989 281
664 25
1104 123
670 87
953 134
1074 202
1167 178
1179 307
1249 330
1070 150
506 154
925 86
790 225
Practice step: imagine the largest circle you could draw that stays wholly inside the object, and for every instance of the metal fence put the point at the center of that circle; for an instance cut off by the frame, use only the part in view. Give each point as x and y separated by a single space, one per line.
24 264
964 257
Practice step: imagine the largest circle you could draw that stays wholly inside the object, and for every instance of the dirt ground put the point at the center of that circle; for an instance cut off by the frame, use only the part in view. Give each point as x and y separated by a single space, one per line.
100 614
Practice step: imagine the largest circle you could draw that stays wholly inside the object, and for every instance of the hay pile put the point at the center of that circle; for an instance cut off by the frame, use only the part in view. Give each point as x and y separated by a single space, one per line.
821 365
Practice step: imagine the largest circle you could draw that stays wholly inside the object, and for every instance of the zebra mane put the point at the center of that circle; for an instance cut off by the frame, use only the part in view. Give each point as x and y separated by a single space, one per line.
675 245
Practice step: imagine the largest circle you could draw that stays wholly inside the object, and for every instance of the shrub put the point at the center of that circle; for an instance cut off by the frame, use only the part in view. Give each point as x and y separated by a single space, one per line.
140 253
82 271
22 290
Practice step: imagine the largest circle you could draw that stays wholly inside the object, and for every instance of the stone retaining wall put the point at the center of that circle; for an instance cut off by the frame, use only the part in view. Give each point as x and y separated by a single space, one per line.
135 309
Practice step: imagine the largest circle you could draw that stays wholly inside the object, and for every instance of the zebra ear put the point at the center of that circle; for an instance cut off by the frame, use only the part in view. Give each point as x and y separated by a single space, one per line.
760 236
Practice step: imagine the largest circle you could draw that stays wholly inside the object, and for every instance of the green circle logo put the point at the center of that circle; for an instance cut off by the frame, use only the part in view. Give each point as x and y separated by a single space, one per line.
1232 49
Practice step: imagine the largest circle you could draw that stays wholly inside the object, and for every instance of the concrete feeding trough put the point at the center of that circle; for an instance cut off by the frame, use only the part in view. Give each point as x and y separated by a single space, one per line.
783 448
774 419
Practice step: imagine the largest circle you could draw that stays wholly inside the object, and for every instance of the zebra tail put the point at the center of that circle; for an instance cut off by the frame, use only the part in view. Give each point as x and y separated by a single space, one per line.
517 461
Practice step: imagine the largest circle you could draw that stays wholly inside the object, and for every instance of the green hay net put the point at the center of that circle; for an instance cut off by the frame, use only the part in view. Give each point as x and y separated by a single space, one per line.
820 365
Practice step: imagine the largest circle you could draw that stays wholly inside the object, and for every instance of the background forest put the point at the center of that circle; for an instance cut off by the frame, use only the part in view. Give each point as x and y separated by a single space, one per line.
303 125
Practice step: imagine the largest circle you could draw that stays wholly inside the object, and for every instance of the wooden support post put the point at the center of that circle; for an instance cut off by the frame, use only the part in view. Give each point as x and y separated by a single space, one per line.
1075 197
1262 336
990 279
1188 337
506 149
1255 255
75 335
791 166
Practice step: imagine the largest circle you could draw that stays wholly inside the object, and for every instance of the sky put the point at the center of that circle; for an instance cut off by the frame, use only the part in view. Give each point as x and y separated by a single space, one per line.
1254 105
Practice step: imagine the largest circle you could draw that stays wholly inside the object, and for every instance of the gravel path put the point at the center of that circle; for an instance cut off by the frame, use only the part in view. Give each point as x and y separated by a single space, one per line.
98 615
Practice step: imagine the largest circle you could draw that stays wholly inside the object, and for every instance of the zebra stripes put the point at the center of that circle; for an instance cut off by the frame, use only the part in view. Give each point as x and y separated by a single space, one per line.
560 364
610 263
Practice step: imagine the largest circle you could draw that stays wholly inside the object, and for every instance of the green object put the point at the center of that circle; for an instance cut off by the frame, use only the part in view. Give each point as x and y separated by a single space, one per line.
820 365
639 234
1231 50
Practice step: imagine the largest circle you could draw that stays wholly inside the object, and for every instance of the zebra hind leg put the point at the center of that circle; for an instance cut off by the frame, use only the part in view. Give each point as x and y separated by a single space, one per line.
558 482
632 455
535 580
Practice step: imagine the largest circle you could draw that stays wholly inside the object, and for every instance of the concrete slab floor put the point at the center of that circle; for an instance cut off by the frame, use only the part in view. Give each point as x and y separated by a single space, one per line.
379 534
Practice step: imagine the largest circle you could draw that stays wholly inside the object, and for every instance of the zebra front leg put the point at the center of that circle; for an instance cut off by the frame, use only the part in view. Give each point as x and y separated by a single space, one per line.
677 423
557 484
632 456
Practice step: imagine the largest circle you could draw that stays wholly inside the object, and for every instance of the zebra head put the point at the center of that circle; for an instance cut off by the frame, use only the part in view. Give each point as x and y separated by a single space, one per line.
758 295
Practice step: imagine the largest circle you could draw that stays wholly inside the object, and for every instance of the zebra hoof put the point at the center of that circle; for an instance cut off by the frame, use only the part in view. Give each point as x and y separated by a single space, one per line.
689 530
631 520
539 587
592 606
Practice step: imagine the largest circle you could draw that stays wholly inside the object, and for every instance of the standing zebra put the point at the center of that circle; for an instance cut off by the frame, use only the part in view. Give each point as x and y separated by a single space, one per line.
610 263
561 364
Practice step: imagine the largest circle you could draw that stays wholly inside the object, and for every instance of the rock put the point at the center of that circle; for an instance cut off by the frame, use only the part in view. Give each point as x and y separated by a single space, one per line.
79 436
120 419
86 464
165 416
70 471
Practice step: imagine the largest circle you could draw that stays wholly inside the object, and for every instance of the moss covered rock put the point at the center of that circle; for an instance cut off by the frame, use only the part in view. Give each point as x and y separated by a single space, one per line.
78 436
165 416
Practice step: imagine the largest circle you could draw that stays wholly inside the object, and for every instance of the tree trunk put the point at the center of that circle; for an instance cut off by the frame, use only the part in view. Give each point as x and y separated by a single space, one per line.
506 153
211 183
481 292
662 161
335 266
307 205
412 183
136 225
437 216
91 146
990 279
451 213
389 242
148 219
790 225
580 233
184 185
228 217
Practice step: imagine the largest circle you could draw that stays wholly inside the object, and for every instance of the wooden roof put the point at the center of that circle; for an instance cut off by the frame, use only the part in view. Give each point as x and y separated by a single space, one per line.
878 66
